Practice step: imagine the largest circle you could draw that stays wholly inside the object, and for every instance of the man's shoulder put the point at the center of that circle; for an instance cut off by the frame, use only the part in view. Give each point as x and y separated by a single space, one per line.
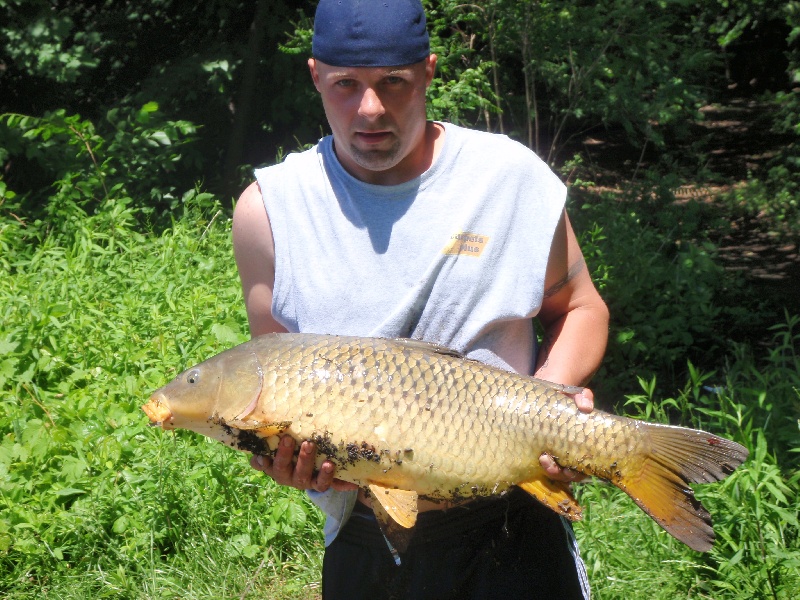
299 157
495 147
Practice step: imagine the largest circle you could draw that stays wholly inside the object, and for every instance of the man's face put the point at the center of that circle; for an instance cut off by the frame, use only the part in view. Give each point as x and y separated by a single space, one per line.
377 115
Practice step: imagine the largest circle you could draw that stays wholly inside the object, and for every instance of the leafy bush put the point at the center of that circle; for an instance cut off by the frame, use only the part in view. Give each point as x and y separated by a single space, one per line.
670 299
92 498
131 158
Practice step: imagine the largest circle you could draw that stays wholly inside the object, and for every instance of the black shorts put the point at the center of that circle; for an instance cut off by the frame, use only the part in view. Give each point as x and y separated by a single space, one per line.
510 547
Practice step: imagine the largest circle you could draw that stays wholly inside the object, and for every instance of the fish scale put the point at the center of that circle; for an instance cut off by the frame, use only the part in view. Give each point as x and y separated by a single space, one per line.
407 420
421 389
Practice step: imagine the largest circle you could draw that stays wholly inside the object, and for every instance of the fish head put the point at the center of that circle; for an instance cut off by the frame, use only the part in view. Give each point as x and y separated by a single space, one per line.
189 397
227 385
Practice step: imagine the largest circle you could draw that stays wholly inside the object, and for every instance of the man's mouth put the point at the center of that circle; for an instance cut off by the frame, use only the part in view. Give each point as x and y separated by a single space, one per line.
373 137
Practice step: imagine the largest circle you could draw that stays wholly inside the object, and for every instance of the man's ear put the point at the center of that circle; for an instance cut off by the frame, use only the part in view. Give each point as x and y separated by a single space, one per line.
430 69
312 67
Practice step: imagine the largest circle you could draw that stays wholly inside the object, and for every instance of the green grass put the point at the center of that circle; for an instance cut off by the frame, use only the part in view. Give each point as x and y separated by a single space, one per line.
95 504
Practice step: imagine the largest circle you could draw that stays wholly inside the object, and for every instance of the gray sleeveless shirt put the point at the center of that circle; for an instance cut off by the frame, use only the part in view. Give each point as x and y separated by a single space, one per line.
456 256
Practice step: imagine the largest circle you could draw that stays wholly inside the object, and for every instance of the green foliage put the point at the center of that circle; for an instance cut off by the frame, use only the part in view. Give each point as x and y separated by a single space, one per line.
462 92
90 497
210 64
755 510
669 298
47 43
610 63
783 181
131 157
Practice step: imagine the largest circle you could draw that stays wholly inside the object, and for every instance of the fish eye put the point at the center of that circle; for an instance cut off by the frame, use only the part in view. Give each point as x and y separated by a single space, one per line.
193 376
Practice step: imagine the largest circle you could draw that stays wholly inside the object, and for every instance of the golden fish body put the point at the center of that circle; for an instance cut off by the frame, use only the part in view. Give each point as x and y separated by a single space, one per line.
407 419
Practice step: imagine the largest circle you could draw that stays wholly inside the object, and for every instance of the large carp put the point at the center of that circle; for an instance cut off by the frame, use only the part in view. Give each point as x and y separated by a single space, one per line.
406 419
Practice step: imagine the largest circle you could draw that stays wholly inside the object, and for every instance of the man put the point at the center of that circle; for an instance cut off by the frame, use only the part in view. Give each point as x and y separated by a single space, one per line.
396 226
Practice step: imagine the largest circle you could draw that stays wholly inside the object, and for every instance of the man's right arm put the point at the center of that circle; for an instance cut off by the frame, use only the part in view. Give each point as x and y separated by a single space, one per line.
254 249
255 258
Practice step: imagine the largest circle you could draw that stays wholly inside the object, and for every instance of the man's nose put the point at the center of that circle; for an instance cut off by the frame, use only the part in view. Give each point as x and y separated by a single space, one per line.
371 106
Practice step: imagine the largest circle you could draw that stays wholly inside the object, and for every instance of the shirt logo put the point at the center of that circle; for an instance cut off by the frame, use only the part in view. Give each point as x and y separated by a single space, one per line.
466 243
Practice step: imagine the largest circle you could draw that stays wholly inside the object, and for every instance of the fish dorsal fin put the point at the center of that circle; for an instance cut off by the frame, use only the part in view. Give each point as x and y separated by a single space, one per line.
564 389
556 495
427 347
396 513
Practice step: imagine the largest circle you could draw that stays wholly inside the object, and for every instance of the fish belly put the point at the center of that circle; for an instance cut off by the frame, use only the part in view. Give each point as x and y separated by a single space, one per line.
400 416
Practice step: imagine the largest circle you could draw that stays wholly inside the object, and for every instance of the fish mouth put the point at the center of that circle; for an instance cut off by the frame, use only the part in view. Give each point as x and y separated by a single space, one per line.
158 412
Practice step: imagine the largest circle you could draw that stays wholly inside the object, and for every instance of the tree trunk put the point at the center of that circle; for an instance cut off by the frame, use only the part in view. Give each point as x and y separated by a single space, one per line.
242 106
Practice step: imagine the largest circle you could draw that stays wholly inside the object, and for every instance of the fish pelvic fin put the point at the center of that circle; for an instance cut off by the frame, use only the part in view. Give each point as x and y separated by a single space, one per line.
399 505
556 495
396 513
658 478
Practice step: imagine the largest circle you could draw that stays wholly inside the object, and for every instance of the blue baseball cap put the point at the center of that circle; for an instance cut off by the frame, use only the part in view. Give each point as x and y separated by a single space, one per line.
370 33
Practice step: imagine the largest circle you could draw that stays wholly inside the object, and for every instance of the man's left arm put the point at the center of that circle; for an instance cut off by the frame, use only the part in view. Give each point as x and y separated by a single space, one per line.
575 322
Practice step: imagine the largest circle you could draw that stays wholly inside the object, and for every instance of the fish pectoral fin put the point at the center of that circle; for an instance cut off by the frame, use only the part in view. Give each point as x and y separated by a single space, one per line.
556 495
259 427
396 513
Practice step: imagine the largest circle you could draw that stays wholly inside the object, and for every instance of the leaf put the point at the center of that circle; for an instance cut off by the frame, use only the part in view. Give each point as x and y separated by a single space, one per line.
7 346
121 524
72 468
224 334
161 137
7 369
66 492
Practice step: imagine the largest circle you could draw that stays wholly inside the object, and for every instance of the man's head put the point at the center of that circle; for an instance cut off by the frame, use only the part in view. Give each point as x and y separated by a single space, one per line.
372 64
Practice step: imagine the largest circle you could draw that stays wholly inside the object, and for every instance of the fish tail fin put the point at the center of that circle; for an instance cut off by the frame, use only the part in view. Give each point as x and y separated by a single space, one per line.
658 478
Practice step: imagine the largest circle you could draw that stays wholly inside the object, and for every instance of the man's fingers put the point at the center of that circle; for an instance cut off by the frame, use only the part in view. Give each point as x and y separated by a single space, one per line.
555 472
285 471
584 400
261 463
324 477
304 469
549 465
282 466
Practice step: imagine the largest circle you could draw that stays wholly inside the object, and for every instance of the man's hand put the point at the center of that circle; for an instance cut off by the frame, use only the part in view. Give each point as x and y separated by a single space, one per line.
585 401
300 475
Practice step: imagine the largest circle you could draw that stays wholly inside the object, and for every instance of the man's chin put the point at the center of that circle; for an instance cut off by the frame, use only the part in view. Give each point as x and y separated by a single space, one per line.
376 160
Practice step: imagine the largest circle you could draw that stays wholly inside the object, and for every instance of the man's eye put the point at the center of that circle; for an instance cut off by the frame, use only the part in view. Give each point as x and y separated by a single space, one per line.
344 83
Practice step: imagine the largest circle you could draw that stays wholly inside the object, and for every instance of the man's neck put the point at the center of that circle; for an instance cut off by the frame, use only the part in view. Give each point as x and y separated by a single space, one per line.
414 165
